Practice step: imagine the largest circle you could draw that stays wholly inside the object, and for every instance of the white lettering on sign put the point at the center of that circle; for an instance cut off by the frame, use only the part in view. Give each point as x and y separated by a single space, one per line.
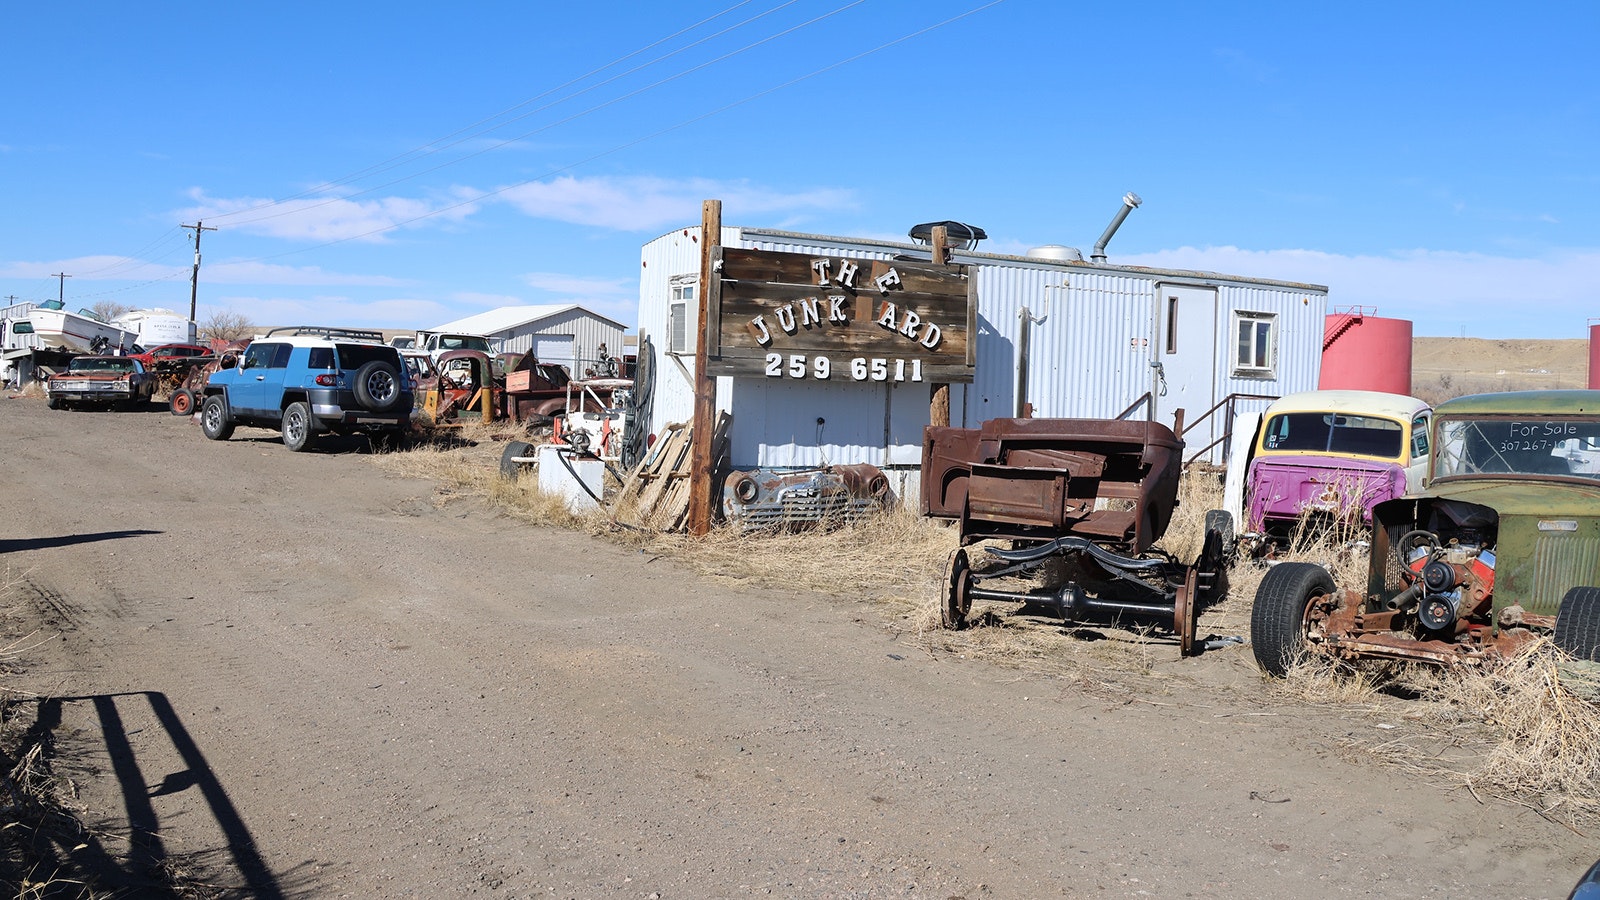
931 336
796 365
820 266
908 326
836 313
886 315
758 326
887 280
810 312
785 314
847 273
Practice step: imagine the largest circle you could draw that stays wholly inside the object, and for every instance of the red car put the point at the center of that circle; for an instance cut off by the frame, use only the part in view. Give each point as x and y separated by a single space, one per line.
168 352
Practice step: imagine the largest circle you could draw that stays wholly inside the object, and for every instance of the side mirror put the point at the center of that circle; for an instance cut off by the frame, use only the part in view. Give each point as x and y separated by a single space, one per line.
228 361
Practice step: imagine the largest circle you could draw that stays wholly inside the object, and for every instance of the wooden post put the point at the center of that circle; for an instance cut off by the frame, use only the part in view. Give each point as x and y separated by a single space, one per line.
705 384
939 404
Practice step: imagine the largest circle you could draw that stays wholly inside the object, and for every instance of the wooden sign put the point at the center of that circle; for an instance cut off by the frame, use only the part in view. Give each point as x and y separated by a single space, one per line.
837 319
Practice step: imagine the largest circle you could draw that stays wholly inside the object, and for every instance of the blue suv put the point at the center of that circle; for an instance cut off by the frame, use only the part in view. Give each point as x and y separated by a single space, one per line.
305 381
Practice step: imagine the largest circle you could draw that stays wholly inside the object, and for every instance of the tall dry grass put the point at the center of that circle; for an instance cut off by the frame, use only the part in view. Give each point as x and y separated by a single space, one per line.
1522 731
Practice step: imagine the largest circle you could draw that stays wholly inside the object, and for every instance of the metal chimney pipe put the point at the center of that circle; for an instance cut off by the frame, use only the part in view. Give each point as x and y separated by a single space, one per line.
1130 201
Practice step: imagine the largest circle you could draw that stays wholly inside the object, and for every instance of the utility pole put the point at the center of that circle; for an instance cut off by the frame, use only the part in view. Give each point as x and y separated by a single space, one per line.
61 287
194 279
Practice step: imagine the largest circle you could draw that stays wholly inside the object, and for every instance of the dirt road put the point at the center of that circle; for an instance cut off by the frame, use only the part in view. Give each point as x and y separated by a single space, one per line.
316 681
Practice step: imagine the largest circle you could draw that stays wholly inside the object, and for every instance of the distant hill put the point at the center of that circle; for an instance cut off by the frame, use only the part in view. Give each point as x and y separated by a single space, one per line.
1443 367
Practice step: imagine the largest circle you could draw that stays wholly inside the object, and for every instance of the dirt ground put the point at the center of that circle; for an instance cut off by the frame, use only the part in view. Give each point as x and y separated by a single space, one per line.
295 675
1442 368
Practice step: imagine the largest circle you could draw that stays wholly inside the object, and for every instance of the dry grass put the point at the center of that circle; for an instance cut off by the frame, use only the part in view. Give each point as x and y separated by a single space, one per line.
1521 732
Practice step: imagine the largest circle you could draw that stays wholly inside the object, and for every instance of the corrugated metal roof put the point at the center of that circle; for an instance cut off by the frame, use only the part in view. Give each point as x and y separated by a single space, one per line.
508 317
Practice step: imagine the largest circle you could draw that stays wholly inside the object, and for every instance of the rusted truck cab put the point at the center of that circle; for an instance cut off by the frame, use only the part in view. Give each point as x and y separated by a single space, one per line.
1501 545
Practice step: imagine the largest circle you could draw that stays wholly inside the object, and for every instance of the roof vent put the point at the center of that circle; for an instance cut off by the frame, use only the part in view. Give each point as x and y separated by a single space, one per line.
961 235
1056 253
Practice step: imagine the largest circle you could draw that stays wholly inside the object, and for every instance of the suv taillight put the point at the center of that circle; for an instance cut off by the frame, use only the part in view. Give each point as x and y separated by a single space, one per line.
327 380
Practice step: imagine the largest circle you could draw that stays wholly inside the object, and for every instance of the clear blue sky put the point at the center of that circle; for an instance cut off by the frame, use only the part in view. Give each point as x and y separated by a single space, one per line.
430 161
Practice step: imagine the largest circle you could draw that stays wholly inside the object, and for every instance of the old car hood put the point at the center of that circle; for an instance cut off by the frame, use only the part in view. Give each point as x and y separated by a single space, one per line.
1524 496
1549 536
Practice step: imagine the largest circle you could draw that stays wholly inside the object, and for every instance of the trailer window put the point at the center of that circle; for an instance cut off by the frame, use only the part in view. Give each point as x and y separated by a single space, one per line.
1255 345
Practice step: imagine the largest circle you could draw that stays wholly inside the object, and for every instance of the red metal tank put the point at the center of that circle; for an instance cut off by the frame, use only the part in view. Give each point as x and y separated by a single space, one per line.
1594 357
1363 352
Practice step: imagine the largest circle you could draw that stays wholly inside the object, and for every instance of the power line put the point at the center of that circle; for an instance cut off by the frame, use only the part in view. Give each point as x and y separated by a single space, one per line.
575 116
467 133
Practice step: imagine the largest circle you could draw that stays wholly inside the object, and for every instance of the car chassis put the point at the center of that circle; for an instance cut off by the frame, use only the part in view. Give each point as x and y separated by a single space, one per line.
1081 502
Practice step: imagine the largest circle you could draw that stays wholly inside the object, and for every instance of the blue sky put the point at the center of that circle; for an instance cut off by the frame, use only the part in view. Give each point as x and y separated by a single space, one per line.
403 164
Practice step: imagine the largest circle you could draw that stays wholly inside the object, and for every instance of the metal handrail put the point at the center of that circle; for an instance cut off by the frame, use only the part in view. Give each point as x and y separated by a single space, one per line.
1227 431
1135 405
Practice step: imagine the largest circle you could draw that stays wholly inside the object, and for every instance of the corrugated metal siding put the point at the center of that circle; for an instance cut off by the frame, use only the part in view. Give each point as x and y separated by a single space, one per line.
1090 352
1086 354
588 332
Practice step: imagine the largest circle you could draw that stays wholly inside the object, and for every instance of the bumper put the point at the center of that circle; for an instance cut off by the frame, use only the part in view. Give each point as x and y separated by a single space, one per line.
339 408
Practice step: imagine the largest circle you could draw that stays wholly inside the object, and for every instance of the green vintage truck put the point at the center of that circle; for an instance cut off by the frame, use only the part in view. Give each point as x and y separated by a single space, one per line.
1502 544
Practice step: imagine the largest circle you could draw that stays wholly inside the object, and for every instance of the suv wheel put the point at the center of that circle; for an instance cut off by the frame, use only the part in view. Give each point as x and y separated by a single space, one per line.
298 430
214 421
377 386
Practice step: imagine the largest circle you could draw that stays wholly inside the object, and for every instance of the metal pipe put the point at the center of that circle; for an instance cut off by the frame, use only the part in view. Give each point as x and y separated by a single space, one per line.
1130 202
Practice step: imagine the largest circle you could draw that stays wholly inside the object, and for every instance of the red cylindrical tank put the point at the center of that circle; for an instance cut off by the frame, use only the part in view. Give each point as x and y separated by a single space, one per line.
1594 357
1366 353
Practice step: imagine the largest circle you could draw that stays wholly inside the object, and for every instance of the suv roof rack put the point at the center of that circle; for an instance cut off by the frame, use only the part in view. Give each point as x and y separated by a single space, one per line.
353 334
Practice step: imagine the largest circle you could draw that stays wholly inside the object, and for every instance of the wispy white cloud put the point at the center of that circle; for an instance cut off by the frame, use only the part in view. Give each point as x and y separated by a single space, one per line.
581 285
93 268
331 218
644 203
1442 292
271 274
329 309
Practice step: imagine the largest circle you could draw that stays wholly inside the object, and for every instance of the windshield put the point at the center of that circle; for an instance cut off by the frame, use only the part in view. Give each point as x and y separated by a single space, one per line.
463 342
100 364
1522 446
1329 432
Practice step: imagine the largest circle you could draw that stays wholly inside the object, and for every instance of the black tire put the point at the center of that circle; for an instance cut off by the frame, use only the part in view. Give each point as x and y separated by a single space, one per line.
54 403
214 420
1578 623
299 429
508 466
181 403
377 386
1278 621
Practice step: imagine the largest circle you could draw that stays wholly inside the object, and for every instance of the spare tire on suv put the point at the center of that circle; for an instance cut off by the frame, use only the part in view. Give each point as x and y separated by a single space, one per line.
377 386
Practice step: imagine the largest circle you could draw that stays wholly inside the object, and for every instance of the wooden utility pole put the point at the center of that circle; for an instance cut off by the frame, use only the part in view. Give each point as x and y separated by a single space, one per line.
705 384
61 287
194 279
939 404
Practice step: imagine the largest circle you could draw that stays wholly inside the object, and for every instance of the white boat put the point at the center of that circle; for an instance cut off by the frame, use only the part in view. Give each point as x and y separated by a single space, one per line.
81 332
155 327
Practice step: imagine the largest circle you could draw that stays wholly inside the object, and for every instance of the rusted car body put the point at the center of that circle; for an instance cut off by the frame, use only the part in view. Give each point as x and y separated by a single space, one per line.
462 385
786 498
101 381
1081 503
183 398
1502 545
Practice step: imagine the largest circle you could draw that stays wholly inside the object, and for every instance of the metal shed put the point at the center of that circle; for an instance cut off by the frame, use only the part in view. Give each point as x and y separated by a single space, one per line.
1054 337
567 334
